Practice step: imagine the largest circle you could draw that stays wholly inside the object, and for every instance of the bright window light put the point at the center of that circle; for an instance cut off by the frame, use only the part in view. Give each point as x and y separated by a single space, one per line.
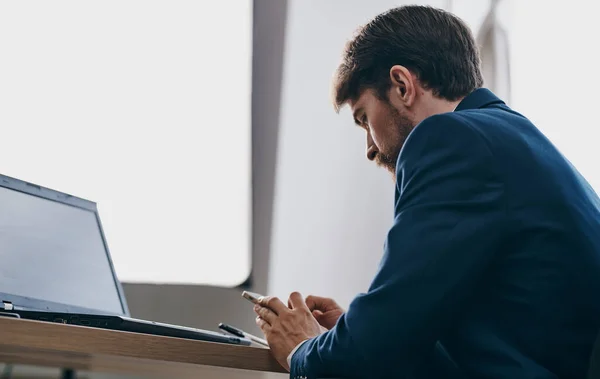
144 108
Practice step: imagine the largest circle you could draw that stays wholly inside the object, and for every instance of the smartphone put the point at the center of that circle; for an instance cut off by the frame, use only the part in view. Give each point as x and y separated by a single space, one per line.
251 296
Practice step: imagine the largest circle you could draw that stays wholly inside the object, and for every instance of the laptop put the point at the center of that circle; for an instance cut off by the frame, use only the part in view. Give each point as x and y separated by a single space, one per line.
55 265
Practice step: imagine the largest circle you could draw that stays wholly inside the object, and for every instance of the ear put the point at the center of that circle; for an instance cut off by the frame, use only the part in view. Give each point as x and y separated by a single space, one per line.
404 86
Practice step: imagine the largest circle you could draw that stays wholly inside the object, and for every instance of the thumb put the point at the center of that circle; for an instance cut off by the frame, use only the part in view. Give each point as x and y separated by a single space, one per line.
317 314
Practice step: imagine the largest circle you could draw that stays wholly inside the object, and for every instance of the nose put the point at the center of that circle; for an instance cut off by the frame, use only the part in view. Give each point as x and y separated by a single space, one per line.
372 152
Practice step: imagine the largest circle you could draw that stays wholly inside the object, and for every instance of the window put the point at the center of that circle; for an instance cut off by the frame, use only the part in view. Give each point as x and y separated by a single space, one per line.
143 107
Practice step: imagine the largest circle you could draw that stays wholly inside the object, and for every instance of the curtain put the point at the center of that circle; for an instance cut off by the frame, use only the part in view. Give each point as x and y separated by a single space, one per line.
492 40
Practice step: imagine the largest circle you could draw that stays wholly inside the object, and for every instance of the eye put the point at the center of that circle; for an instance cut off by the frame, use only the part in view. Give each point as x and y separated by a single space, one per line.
364 122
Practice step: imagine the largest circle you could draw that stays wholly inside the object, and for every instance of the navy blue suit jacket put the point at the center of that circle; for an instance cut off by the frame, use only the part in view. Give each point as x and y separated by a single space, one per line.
491 268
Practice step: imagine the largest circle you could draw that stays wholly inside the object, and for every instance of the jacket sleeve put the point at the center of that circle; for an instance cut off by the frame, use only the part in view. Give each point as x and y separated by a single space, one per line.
449 217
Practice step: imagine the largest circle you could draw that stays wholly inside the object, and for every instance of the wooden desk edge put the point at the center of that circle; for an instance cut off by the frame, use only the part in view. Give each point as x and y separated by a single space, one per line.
40 342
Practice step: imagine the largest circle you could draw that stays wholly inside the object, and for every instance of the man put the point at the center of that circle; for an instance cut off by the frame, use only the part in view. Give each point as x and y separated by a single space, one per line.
492 266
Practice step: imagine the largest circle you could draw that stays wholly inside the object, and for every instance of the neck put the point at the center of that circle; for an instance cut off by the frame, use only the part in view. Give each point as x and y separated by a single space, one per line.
430 106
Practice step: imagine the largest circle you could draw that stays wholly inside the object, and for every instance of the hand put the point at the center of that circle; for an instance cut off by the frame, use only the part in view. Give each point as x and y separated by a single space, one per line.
284 327
325 310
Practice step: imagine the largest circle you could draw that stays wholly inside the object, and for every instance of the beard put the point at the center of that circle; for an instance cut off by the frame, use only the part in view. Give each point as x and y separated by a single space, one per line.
400 126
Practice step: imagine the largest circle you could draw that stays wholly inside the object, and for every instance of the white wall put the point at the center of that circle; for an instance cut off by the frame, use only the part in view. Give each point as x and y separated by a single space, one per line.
332 207
555 76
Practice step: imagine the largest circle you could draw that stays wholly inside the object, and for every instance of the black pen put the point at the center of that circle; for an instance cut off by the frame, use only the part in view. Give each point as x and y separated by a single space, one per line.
240 333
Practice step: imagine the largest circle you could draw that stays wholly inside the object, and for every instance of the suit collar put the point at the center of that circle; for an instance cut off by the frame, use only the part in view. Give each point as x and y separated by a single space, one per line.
480 98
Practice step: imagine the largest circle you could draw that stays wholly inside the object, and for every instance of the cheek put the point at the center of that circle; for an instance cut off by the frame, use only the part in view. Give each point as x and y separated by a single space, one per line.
378 135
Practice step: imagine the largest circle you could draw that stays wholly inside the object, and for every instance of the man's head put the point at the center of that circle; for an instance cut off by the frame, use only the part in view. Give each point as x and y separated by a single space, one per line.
405 65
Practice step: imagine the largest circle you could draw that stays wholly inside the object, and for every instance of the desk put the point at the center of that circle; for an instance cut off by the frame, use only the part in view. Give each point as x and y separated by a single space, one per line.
93 349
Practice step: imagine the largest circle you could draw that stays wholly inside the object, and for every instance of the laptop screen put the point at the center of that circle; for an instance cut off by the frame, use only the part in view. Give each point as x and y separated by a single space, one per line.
54 252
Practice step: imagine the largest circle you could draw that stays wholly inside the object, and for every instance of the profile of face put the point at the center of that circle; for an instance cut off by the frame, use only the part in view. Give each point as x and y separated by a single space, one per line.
388 120
387 126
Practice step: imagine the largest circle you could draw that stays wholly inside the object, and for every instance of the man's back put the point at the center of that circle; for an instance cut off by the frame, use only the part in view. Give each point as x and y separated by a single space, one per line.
492 262
536 310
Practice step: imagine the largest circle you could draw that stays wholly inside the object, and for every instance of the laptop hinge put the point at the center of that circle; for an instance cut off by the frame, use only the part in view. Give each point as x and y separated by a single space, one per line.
7 305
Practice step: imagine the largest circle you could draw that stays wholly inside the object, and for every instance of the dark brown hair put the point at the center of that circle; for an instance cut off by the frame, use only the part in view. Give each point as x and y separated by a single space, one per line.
433 44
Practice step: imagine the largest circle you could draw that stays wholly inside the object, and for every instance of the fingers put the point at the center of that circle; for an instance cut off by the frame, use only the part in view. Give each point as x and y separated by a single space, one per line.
273 304
265 313
263 325
297 301
318 303
320 317
317 315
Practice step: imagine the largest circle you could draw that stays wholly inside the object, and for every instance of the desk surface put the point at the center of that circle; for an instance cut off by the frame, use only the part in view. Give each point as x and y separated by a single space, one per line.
93 349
